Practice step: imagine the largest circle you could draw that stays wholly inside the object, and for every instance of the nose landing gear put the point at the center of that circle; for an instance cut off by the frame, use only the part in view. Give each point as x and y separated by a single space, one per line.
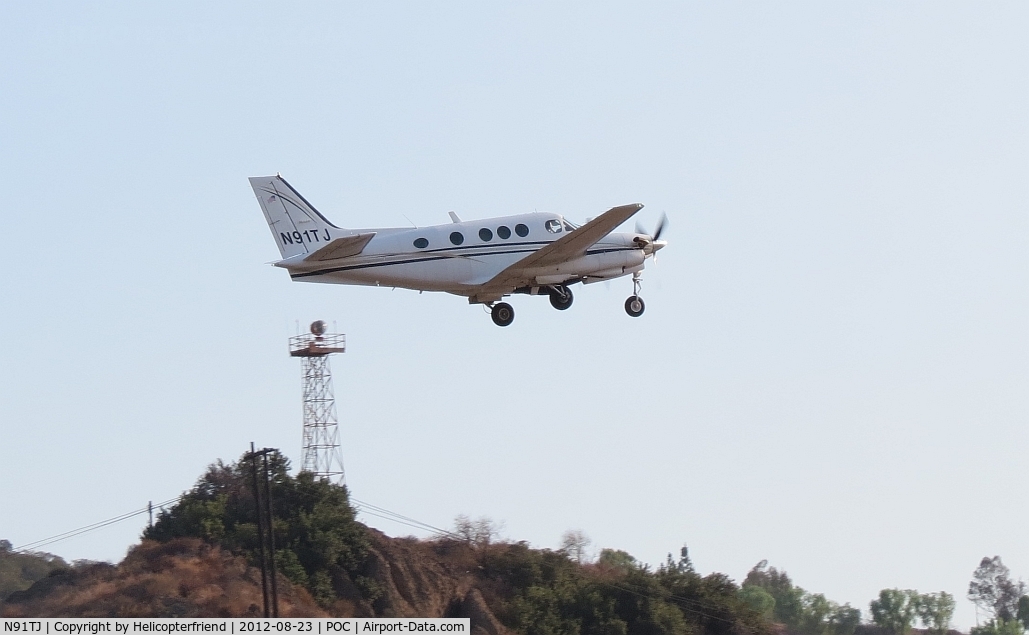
634 305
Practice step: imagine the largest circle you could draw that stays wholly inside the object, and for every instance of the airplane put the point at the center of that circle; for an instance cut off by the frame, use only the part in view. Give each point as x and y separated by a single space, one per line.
539 253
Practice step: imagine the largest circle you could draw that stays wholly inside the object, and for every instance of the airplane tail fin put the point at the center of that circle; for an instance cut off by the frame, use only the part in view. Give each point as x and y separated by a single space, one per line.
298 228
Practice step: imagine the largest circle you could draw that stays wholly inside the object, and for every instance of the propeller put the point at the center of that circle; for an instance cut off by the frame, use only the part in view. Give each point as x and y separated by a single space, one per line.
661 223
650 243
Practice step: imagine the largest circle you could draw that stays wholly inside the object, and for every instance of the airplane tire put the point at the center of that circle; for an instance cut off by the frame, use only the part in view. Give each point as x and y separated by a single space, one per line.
634 306
502 314
559 301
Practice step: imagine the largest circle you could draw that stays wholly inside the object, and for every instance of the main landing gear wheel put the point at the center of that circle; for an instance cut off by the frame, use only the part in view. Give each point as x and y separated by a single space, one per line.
560 297
502 314
634 306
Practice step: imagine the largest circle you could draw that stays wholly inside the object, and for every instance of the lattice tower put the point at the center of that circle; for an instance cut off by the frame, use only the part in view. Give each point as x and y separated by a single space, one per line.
322 455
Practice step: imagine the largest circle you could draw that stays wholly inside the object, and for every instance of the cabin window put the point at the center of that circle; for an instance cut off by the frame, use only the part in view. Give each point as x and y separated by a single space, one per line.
504 232
554 226
421 243
486 235
522 230
457 238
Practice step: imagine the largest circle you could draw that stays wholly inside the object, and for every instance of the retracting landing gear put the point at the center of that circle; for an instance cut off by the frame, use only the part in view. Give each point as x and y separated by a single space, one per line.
502 314
560 297
634 305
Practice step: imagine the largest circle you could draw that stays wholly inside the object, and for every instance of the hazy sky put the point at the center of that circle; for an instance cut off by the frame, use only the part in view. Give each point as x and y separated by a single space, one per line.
833 370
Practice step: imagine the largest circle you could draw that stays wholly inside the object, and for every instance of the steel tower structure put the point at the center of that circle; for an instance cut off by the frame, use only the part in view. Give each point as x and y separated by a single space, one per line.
322 455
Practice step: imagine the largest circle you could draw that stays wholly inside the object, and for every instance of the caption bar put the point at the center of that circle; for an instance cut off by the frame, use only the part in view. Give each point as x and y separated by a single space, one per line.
309 626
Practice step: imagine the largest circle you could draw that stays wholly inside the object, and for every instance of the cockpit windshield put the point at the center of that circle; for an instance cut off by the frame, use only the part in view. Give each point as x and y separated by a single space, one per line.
558 225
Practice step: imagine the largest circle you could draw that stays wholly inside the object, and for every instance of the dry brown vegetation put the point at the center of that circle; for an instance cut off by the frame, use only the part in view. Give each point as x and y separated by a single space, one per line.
181 578
187 577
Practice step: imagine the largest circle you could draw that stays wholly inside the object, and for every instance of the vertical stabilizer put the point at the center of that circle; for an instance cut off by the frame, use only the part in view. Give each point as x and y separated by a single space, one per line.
298 228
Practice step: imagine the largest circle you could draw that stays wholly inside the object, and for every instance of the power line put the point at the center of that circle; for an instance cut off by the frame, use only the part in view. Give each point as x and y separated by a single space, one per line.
367 508
97 525
371 510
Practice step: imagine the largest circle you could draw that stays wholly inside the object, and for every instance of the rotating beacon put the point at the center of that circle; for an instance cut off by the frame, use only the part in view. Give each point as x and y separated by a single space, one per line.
321 448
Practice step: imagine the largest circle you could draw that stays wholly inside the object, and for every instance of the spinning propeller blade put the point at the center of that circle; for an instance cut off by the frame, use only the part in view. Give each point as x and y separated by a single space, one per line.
651 243
661 223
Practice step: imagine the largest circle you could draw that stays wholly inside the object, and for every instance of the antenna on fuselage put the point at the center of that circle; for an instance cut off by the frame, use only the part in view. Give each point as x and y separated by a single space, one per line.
453 217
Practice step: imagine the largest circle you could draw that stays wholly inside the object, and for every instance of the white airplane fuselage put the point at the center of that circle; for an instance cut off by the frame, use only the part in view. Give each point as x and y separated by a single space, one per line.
458 257
483 260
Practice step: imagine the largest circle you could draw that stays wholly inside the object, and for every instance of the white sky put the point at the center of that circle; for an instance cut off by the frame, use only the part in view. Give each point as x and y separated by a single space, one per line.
833 370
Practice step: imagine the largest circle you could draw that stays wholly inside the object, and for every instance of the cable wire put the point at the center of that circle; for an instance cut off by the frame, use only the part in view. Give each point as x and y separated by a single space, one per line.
31 546
371 510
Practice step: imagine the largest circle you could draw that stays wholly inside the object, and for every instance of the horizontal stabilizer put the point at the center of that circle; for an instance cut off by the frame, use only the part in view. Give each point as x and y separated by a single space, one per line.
341 248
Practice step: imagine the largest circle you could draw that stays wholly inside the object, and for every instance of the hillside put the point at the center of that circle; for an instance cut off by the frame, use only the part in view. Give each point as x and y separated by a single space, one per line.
180 578
199 560
19 570
502 587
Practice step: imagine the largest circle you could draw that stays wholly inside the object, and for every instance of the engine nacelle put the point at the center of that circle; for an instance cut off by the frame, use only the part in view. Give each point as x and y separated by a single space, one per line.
603 265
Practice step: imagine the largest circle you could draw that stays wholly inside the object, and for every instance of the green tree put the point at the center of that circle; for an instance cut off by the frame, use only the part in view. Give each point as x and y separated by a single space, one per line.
815 615
844 620
550 594
617 560
935 610
316 534
759 600
993 590
894 610
789 599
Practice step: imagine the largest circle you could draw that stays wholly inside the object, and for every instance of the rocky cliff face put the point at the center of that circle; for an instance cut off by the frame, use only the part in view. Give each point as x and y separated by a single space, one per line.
422 579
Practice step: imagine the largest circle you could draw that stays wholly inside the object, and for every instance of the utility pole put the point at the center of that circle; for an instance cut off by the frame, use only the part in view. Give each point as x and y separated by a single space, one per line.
271 534
265 526
260 528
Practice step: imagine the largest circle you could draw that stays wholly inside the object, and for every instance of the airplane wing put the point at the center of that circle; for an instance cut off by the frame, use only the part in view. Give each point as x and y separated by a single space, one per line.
569 247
